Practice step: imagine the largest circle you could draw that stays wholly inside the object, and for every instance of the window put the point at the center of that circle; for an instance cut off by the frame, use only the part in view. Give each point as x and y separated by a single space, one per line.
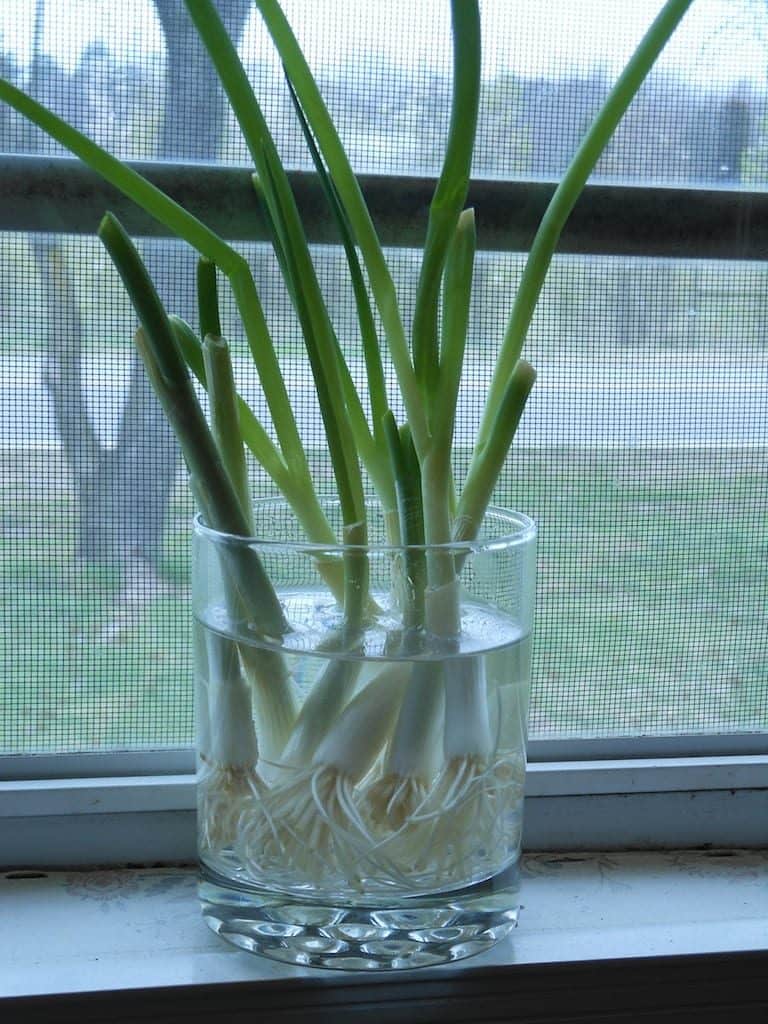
643 452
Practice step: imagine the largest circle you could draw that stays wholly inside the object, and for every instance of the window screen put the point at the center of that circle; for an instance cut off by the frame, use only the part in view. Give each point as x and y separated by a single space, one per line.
642 454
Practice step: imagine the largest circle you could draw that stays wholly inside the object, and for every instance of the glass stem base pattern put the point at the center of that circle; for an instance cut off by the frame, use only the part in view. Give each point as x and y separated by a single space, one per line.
417 932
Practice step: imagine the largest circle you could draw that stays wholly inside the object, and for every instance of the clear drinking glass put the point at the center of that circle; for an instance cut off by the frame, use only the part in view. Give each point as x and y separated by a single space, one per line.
360 785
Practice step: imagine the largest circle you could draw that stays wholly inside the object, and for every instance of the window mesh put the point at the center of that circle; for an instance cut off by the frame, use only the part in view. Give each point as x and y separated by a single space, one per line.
642 454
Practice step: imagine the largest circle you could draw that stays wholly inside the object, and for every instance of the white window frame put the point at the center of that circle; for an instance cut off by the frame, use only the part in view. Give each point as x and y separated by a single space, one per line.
147 812
637 792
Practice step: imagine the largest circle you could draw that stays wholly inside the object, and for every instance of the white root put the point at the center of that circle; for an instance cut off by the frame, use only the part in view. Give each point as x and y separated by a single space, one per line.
308 828
394 801
472 805
228 782
463 821
359 798
309 824
226 795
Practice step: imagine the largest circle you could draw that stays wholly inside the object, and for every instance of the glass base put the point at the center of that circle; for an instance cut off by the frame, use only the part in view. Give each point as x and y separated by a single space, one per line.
411 932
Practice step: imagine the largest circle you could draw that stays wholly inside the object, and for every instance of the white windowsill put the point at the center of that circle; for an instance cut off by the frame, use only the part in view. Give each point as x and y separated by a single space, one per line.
122 930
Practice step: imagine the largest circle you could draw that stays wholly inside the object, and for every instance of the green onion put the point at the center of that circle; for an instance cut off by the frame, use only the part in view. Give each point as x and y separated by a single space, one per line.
302 498
351 197
225 419
450 193
566 196
391 771
273 691
407 474
319 802
229 776
370 447
170 378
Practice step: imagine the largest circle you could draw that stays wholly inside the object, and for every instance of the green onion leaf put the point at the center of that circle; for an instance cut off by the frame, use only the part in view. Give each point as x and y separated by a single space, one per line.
208 298
488 458
450 192
351 198
566 195
170 379
225 418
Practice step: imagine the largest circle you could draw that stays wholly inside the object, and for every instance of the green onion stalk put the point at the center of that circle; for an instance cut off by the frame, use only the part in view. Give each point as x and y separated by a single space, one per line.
391 772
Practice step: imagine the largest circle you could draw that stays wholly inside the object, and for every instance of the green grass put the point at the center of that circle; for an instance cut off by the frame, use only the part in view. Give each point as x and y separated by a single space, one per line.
652 588
653 581
82 669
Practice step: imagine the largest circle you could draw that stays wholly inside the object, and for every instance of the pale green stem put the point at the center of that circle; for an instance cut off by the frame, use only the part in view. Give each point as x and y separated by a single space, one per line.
442 597
254 435
412 566
450 193
225 419
489 457
261 348
351 197
300 495
457 295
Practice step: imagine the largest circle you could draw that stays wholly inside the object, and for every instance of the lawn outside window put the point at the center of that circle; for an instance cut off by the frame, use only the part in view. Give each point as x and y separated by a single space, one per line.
643 461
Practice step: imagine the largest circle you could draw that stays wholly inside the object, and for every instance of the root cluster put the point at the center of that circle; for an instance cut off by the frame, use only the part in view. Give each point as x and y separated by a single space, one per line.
317 827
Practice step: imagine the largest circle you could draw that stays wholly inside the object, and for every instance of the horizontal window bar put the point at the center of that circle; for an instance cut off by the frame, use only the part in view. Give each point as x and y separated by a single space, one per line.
113 763
120 795
60 195
38 797
645 775
616 748
181 760
581 806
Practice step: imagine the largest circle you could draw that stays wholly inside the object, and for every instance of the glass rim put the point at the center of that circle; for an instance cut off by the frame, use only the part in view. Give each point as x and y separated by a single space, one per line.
523 531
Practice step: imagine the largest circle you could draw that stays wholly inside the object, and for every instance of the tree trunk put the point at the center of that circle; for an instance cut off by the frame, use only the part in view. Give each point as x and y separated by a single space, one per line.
123 492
